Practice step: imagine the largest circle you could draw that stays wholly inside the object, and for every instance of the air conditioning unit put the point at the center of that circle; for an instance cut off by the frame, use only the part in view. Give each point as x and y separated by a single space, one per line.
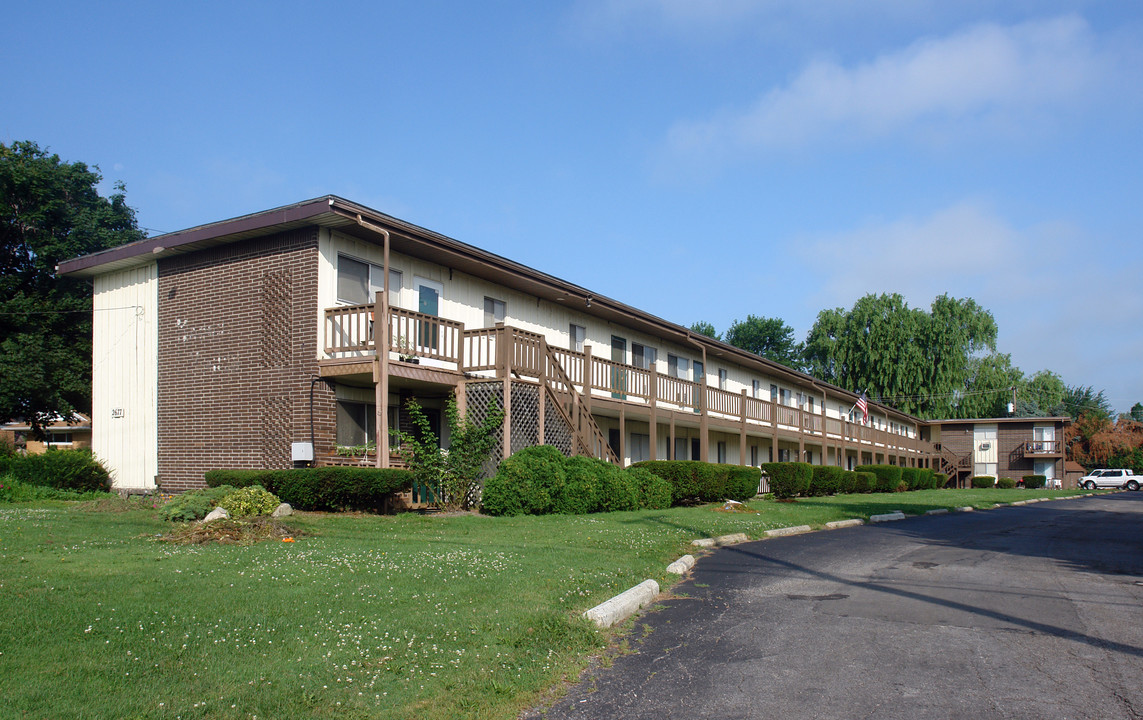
985 447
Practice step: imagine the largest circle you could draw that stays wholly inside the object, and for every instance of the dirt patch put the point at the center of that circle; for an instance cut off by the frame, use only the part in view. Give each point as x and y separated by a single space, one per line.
233 532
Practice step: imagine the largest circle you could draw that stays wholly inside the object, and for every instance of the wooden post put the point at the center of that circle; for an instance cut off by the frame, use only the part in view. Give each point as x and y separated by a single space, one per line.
621 452
543 361
671 440
654 401
381 344
742 431
587 376
774 431
504 341
704 418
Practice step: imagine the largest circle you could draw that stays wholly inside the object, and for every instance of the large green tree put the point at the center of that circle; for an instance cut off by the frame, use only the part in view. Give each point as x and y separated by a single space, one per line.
918 361
769 337
50 210
702 327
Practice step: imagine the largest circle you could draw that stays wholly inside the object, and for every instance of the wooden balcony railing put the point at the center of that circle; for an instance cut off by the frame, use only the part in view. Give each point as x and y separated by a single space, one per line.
350 331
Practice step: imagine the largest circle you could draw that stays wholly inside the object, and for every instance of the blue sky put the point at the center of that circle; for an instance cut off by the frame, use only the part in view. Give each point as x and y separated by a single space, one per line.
699 160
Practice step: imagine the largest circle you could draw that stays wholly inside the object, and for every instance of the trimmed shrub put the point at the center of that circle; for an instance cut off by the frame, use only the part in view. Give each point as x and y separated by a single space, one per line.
322 488
527 483
983 481
888 477
617 492
911 478
826 480
583 487
863 482
651 491
694 481
1005 483
250 501
926 478
788 479
194 504
63 469
940 480
1035 482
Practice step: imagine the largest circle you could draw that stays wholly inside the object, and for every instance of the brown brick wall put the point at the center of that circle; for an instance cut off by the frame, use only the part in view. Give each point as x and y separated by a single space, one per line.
237 347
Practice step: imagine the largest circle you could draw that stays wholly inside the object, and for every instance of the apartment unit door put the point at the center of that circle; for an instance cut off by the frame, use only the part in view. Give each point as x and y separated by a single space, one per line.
428 303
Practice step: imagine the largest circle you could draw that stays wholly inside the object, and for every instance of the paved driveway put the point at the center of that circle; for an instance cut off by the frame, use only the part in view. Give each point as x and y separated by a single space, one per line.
1022 612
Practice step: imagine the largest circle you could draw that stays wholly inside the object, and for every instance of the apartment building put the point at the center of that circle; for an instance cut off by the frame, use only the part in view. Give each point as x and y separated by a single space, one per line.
288 336
998 447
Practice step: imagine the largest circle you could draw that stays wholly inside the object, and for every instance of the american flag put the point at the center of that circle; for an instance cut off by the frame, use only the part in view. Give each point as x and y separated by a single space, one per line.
863 406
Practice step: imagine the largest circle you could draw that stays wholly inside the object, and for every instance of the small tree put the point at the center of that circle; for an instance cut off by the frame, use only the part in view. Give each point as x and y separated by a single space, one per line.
452 474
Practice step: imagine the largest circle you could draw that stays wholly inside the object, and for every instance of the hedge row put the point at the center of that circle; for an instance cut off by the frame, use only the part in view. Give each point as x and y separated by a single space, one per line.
983 481
62 469
539 480
791 479
322 488
1034 482
694 481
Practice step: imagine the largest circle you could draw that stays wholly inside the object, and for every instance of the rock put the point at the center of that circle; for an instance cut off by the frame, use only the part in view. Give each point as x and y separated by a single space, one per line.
731 505
282 510
216 514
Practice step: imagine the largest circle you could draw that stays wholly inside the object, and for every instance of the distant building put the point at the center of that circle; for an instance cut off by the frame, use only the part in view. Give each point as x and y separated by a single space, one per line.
1000 447
58 434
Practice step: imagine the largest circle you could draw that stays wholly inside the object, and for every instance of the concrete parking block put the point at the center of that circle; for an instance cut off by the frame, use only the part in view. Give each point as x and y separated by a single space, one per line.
623 605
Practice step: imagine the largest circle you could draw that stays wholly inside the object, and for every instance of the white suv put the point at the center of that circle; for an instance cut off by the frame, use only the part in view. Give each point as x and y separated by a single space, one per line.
1110 479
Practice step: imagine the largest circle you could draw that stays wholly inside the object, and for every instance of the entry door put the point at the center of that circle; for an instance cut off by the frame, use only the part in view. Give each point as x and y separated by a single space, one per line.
618 374
428 303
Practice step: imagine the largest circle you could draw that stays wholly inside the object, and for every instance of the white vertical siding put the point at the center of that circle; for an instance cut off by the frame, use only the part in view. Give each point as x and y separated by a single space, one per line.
124 412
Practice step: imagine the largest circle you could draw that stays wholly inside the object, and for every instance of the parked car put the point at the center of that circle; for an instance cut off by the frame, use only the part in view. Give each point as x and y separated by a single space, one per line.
1115 478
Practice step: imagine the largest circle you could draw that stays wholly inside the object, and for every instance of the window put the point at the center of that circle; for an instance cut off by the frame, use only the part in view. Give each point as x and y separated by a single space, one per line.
810 404
640 447
678 367
784 397
756 389
494 311
700 373
722 378
58 438
681 449
355 423
783 455
773 393
754 455
642 356
359 282
576 336
721 450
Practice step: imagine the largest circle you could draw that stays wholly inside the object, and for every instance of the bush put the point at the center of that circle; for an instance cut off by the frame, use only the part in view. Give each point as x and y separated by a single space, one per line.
788 479
14 491
888 477
983 481
1035 482
940 480
527 483
1005 483
617 492
694 481
863 482
583 487
64 469
827 480
194 504
911 478
651 491
322 488
250 501
927 478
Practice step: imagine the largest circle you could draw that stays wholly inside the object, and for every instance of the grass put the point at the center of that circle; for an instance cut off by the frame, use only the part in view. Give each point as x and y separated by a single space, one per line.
363 616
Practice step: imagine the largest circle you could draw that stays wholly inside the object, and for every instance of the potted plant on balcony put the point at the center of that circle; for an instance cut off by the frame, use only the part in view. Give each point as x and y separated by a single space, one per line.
405 351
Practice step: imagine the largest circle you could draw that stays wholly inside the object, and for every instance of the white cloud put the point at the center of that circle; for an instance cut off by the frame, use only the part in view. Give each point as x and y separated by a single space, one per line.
980 77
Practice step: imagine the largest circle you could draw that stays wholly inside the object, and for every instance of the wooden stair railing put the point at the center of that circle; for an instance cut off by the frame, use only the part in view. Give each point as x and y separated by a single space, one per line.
558 387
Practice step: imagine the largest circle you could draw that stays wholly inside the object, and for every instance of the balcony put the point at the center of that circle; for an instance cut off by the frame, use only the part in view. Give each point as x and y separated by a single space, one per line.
350 332
1038 449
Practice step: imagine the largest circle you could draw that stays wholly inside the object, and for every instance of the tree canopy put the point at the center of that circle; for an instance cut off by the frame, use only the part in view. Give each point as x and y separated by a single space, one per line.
769 337
704 328
920 362
50 211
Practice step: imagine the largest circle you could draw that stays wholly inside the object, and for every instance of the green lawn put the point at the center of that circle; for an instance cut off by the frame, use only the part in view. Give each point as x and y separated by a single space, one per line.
363 616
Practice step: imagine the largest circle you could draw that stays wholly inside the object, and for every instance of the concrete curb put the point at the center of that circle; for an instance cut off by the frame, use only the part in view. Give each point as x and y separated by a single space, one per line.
623 605
732 539
852 522
680 566
937 511
795 530
966 508
887 517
